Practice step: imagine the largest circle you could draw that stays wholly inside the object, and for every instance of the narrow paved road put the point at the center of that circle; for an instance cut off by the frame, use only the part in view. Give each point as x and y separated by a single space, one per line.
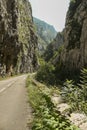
14 107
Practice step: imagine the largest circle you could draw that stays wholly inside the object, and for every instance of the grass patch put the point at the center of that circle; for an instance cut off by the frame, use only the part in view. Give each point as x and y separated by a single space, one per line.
46 117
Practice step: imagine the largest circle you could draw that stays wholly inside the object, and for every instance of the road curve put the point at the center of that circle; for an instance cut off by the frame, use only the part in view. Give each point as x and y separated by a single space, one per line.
14 107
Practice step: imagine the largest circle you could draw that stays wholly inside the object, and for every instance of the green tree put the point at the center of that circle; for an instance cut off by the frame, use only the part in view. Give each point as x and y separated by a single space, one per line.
46 74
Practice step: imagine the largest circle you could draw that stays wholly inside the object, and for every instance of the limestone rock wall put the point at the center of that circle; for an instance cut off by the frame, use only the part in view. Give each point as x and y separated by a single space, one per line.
74 56
18 41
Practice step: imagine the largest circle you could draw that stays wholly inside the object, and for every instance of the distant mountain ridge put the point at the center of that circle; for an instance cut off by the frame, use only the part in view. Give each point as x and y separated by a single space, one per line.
45 32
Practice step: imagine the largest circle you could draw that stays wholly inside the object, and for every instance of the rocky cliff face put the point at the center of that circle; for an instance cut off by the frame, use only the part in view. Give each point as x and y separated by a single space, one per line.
17 39
74 56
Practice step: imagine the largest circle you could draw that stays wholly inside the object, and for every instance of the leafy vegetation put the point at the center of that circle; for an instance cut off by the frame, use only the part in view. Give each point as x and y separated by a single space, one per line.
45 74
50 74
46 117
76 95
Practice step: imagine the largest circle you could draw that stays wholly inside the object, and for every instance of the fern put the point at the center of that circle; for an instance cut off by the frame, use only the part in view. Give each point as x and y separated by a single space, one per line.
76 95
83 81
83 84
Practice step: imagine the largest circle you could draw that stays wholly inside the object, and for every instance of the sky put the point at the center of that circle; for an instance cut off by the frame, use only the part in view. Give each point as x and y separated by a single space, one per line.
51 11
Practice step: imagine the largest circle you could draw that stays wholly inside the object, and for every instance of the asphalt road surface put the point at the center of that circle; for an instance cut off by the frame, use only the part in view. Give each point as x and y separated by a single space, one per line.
14 107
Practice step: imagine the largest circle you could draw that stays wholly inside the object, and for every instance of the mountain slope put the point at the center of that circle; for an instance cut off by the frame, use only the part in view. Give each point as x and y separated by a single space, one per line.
46 33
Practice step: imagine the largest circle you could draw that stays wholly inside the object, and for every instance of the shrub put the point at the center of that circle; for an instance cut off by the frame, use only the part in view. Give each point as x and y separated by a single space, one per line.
46 74
76 95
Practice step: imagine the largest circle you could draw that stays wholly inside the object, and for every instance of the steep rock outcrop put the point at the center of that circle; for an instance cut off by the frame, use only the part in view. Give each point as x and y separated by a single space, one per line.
74 56
18 42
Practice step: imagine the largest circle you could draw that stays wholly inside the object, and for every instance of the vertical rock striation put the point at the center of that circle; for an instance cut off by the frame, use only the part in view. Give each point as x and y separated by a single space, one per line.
74 56
18 42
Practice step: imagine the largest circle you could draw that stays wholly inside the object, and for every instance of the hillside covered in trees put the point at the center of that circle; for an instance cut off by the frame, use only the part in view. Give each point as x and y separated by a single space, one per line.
45 32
